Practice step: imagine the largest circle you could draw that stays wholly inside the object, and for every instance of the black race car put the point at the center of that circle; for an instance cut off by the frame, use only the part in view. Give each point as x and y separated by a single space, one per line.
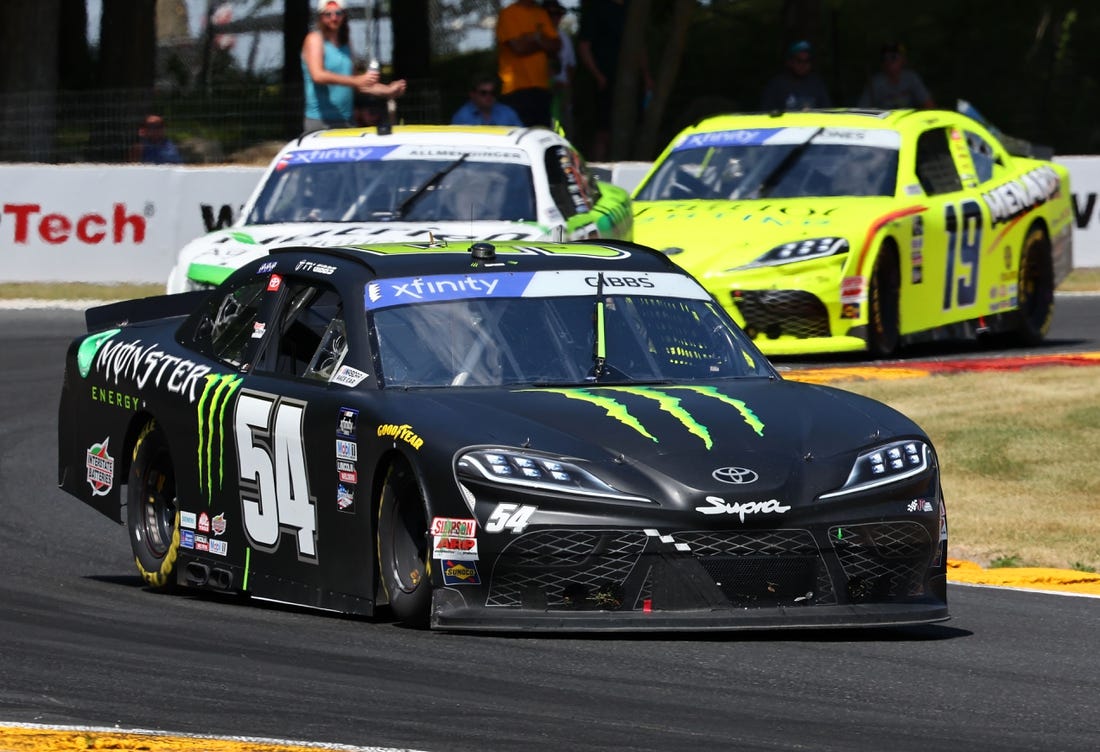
526 436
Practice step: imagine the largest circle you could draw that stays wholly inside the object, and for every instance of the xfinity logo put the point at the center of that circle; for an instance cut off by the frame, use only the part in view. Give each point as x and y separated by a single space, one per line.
721 506
738 476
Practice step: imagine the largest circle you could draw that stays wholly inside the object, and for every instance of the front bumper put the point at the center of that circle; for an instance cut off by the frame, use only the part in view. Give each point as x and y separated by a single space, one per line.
872 574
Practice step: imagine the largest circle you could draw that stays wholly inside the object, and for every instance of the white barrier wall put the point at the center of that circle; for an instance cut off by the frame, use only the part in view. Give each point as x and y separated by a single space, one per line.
108 223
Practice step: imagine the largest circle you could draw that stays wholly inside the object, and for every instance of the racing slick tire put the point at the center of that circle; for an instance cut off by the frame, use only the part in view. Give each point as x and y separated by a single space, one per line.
1036 289
404 553
883 308
152 514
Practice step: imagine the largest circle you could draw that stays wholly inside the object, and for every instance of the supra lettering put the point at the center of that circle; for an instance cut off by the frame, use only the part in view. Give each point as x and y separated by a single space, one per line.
721 506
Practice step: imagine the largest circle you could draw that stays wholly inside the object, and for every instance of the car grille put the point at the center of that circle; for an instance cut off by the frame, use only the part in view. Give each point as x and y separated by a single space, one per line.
774 313
565 566
630 569
883 560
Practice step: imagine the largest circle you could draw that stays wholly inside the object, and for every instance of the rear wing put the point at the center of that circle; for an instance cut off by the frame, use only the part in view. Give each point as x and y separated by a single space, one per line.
143 309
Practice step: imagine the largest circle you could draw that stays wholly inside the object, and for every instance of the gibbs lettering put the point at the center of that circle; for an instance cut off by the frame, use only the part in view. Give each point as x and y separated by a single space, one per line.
216 396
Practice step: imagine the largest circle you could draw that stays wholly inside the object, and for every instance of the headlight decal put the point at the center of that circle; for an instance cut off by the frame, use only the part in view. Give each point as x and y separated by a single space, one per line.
511 467
883 465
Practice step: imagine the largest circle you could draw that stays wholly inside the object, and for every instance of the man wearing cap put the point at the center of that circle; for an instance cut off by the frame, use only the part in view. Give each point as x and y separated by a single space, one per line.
895 87
797 86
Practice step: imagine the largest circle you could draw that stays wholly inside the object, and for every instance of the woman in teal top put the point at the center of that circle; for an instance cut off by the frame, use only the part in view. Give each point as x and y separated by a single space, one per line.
327 72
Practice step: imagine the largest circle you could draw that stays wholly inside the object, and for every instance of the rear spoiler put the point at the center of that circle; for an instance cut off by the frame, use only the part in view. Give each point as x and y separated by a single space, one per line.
142 309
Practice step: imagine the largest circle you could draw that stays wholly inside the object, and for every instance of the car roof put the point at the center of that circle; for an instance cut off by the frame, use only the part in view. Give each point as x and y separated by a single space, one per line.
428 135
899 120
406 259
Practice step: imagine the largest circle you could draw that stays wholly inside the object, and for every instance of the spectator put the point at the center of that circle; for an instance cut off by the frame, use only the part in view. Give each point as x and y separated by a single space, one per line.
153 145
525 38
327 72
603 23
561 83
483 107
895 86
797 87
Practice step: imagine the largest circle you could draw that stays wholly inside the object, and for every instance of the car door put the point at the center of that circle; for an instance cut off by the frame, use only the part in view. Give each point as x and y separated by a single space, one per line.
590 210
281 493
941 274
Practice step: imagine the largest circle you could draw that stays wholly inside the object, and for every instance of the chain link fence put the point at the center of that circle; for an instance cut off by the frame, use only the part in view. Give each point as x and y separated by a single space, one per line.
102 126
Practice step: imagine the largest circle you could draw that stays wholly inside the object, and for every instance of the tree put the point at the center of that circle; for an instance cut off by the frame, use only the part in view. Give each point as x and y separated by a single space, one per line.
28 78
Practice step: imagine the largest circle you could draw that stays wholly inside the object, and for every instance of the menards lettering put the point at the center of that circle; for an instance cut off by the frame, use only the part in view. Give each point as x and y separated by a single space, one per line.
137 363
1016 197
91 228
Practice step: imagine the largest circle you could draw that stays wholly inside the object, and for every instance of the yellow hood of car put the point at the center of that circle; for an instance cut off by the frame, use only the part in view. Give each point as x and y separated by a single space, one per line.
717 235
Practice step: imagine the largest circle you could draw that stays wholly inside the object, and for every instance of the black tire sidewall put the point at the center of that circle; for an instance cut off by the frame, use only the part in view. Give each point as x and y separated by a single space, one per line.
883 305
150 448
410 605
1036 310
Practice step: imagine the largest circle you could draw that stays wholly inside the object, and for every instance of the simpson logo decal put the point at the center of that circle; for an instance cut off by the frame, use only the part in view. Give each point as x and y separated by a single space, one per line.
101 468
403 432
721 506
606 398
216 396
458 527
460 573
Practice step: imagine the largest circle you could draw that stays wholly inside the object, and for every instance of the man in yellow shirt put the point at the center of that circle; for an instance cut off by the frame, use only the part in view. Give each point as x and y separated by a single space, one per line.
526 37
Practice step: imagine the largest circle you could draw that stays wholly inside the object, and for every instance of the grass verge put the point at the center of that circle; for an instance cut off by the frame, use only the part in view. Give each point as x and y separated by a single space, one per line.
1018 452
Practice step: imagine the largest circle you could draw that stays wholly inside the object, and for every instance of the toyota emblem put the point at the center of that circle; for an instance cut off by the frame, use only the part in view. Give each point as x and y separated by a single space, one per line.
738 476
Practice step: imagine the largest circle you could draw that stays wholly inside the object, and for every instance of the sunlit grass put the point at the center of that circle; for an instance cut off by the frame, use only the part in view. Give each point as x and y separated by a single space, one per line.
1081 280
1019 453
77 290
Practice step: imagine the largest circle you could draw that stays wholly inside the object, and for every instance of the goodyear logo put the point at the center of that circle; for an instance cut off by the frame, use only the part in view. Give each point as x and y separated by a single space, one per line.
216 395
667 399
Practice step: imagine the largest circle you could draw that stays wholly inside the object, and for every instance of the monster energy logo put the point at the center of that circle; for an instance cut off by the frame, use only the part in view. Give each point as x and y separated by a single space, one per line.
216 395
666 401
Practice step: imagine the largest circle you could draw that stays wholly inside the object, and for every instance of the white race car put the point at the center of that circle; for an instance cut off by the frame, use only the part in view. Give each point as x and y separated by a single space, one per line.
416 184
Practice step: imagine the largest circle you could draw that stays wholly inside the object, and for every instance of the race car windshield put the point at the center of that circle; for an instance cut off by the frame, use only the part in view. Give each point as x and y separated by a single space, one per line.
382 191
549 341
781 170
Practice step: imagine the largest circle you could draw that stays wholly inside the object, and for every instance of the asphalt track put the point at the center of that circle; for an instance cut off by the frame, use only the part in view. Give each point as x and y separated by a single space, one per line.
85 645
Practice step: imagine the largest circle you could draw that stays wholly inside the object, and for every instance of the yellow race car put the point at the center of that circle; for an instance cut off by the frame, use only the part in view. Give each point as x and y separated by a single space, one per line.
852 230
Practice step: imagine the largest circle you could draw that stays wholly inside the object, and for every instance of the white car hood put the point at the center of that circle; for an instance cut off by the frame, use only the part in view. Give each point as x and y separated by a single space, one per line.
236 246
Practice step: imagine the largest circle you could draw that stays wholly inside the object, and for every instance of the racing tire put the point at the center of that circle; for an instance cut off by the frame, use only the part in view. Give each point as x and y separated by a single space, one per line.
404 553
1035 294
883 308
152 514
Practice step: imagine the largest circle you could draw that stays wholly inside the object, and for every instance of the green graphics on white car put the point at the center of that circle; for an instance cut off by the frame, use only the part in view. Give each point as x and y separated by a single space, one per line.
415 184
851 230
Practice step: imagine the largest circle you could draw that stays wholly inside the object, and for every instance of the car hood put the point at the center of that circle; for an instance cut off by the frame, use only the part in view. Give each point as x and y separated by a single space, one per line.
718 235
233 247
792 436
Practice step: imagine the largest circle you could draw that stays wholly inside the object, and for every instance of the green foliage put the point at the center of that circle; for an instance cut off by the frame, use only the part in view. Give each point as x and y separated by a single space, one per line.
1010 560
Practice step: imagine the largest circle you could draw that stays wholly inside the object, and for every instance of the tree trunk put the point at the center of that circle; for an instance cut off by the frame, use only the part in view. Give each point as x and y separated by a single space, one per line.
127 69
28 79
74 59
412 39
665 80
624 102
296 24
